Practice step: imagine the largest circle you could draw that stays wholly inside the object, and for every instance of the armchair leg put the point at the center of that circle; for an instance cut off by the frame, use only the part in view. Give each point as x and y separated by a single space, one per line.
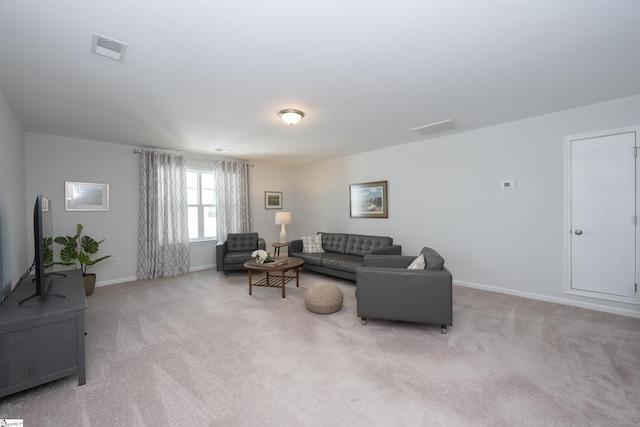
363 321
443 329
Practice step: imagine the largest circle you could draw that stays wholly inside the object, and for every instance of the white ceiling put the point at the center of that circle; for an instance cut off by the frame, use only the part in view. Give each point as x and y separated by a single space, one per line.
204 74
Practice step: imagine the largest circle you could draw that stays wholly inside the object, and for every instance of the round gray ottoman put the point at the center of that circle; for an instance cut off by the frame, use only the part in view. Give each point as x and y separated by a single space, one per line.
323 298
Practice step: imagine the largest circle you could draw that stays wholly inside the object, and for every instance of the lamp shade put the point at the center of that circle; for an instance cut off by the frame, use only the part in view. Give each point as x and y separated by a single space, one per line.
283 218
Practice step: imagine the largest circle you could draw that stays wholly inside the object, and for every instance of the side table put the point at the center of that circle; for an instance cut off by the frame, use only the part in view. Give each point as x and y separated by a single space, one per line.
277 246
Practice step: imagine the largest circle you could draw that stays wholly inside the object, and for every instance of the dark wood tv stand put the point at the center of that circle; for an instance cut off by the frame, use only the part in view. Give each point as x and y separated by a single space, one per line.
43 339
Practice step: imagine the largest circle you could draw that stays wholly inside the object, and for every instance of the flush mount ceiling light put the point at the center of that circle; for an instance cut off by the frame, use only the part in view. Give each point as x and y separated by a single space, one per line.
291 117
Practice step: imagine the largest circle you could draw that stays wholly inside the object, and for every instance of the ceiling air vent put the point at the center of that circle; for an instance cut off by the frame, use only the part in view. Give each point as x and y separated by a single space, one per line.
110 48
438 127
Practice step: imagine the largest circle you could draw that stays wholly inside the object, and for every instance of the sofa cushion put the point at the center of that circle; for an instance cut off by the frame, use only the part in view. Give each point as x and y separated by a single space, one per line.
334 242
348 263
418 263
242 242
309 259
312 244
361 245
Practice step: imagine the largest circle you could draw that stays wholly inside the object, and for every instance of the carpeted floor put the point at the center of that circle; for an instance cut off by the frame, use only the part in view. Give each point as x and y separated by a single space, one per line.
197 350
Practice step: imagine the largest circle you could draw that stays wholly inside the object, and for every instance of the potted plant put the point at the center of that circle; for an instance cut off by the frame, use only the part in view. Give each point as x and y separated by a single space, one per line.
79 249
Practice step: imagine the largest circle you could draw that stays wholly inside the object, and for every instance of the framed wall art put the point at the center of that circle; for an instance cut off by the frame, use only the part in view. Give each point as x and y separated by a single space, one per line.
86 196
368 200
273 200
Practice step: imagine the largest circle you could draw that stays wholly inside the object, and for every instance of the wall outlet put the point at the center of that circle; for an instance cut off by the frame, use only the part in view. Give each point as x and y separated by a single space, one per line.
118 260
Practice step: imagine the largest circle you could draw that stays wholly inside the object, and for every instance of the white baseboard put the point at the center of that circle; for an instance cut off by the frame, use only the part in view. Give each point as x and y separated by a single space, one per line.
581 304
134 278
202 267
116 281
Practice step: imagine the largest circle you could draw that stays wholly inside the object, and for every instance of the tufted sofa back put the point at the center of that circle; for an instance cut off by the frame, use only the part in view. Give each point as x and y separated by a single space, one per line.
334 242
353 244
361 245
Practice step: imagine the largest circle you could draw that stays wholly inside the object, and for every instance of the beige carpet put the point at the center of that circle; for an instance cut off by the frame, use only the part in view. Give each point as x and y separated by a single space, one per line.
197 350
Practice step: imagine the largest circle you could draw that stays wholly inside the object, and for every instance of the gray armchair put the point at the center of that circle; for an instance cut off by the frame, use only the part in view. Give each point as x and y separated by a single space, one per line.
232 253
386 289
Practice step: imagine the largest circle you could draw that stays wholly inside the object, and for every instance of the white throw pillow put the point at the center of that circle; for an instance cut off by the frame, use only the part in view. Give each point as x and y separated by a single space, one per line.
312 244
418 263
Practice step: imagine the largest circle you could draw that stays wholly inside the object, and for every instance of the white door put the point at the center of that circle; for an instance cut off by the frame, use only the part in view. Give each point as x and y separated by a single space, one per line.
603 215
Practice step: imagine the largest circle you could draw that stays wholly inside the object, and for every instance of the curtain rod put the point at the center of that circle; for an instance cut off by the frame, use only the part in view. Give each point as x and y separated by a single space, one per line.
192 157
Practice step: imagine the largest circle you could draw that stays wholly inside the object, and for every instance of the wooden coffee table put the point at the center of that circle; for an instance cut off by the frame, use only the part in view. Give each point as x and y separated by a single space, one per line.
276 276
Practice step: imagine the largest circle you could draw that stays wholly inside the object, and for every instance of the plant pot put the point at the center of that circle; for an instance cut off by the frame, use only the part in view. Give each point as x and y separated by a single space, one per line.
89 280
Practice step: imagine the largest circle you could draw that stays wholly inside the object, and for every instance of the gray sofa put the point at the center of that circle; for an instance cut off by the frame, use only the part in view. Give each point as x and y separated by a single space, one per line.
232 253
386 289
344 253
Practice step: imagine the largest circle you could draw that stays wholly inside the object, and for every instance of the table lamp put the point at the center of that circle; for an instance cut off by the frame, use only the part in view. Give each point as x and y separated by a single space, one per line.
282 219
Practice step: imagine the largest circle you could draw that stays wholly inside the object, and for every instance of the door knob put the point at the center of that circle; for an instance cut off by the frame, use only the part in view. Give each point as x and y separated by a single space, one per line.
578 232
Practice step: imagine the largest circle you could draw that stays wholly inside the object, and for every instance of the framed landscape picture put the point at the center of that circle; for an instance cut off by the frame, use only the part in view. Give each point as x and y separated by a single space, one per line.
273 200
368 200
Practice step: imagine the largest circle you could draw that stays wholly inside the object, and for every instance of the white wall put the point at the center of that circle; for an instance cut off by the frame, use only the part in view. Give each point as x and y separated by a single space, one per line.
52 160
270 177
14 259
445 193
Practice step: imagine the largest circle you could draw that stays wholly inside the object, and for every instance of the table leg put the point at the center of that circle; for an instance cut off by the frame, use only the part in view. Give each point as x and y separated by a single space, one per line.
297 278
249 282
283 284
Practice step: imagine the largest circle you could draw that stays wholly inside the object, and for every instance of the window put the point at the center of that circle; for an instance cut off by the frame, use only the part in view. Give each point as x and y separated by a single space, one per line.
201 197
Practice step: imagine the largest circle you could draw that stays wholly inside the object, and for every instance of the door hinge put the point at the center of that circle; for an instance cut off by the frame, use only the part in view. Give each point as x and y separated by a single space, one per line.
635 220
636 288
635 151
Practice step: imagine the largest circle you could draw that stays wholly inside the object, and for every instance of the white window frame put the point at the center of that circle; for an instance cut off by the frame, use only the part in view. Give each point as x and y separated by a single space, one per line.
201 206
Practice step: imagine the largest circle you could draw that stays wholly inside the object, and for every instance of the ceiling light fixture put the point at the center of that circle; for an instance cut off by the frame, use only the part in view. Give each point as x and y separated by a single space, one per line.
291 117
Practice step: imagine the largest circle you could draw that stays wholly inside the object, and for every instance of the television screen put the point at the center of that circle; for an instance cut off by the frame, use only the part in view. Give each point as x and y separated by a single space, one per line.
43 246
47 243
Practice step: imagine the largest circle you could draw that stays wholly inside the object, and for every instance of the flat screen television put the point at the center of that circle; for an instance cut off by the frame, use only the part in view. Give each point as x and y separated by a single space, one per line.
43 247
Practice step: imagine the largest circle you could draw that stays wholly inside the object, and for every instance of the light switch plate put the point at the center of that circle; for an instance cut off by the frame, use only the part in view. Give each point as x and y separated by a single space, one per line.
507 185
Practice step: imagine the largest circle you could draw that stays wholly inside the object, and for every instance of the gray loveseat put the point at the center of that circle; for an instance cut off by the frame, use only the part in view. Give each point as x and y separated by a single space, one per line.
386 289
343 253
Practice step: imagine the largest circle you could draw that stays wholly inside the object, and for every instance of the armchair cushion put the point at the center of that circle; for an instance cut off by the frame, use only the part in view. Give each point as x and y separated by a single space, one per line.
433 259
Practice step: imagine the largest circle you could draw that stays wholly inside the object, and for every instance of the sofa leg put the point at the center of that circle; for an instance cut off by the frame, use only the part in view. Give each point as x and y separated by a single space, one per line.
443 329
363 321
226 274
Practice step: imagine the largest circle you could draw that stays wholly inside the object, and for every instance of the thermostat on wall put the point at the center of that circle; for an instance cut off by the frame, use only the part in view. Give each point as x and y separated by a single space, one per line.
507 185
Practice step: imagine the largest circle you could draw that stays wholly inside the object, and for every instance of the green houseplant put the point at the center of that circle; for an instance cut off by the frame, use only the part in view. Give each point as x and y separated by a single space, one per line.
79 250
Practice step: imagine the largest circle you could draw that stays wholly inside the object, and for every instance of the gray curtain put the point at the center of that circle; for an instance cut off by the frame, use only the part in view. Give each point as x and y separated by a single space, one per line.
233 198
163 235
